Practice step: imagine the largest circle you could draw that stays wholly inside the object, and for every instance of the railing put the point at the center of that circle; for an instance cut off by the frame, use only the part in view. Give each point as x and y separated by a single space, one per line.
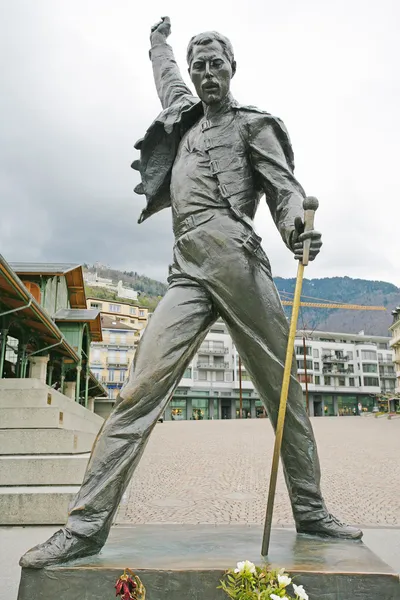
117 363
331 358
330 370
206 350
210 367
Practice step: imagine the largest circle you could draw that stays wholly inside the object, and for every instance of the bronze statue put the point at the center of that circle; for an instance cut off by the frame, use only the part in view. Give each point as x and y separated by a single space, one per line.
211 160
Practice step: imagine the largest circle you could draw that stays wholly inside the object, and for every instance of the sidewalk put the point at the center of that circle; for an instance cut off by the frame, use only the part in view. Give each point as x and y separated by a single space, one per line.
14 541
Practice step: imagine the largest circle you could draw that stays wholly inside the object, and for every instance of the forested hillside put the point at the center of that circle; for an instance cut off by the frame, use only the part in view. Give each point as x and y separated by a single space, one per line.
330 289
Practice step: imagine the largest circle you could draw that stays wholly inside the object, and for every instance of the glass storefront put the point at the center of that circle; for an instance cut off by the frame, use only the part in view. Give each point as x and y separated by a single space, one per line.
347 406
246 414
329 406
200 409
178 409
260 410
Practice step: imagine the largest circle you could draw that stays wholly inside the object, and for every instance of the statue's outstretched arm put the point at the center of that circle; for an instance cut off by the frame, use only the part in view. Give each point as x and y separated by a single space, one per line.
169 83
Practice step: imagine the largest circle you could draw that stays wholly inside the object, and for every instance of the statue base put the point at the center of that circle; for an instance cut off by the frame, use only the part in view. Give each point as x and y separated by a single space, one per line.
186 562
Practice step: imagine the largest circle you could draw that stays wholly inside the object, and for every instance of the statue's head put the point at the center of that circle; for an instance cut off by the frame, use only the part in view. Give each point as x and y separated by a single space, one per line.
211 65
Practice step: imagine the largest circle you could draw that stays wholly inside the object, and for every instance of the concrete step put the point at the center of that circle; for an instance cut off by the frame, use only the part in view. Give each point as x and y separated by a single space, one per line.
43 470
15 383
40 396
45 441
47 417
35 505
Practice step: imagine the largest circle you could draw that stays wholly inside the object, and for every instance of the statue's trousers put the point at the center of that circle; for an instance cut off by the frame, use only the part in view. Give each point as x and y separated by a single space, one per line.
216 272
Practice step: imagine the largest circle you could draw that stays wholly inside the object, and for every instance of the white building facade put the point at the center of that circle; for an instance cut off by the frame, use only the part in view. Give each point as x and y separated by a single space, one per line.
345 375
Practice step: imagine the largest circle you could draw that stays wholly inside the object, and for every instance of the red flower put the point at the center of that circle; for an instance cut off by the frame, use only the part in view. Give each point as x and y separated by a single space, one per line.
130 588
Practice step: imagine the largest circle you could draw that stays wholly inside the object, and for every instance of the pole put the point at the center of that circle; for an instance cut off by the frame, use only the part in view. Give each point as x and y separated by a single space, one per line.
310 205
240 390
306 374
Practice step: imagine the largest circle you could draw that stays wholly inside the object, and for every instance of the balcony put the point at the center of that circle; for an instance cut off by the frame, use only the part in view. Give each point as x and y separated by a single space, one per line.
113 362
218 367
331 358
387 375
206 350
333 371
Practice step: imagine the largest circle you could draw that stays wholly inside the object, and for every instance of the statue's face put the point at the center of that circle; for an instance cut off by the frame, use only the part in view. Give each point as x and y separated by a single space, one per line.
211 72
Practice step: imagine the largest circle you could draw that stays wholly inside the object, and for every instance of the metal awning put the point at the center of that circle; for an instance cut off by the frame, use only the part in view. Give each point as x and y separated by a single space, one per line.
72 272
90 316
16 300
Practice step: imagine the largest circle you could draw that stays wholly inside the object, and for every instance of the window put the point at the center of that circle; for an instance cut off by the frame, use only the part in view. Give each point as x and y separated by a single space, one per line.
371 382
350 368
219 376
302 378
342 381
122 375
316 353
351 381
317 380
380 356
368 354
370 368
382 346
111 375
316 366
141 313
327 381
97 305
113 338
203 375
115 308
218 344
123 358
245 376
188 373
300 364
122 338
350 355
300 350
132 310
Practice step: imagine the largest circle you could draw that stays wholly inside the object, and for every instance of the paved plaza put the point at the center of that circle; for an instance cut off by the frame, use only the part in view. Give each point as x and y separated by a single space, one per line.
218 472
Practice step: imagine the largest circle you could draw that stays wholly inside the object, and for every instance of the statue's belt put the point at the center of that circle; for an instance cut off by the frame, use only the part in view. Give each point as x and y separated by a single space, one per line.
252 241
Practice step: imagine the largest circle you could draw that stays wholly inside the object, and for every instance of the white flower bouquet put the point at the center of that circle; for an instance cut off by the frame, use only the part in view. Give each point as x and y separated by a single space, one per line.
248 582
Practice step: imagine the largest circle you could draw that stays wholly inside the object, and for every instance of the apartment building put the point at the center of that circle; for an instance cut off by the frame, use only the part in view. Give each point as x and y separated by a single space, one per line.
122 326
345 374
210 386
395 344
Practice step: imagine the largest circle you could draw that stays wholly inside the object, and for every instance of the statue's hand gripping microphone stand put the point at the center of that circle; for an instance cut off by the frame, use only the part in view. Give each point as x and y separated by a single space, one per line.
310 205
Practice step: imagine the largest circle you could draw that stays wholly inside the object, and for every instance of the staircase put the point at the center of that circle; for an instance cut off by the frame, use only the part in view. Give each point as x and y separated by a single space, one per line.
45 443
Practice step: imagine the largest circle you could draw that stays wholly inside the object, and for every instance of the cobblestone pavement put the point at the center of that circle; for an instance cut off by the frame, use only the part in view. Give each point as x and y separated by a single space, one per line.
218 471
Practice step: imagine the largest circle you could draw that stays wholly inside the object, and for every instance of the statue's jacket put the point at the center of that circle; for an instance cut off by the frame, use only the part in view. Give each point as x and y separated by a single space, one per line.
249 150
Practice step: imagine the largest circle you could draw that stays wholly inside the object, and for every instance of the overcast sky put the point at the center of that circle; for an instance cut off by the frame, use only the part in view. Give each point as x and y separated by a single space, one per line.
76 92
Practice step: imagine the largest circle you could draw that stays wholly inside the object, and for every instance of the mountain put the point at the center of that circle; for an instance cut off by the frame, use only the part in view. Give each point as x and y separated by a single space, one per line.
329 289
347 291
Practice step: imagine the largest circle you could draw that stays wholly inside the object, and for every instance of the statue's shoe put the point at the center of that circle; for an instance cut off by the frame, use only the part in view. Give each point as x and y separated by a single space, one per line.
329 526
61 547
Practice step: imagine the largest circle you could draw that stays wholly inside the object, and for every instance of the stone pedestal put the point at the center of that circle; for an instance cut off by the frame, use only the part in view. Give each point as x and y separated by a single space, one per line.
182 562
39 367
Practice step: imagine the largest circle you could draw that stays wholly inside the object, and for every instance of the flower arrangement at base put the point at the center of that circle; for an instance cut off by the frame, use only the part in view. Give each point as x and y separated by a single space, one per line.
248 582
129 586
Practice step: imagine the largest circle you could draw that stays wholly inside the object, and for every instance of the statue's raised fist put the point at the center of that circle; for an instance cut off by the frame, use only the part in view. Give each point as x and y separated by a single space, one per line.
161 30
